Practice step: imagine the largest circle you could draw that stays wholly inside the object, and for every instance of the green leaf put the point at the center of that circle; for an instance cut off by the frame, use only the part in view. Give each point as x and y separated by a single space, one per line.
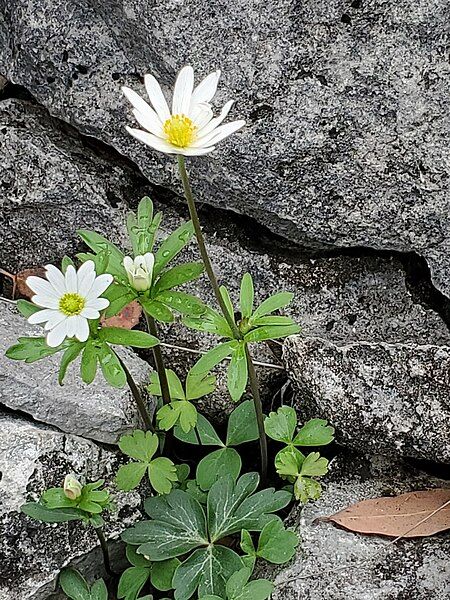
212 358
70 354
98 243
66 261
47 515
238 587
89 362
276 543
314 465
130 476
119 296
185 304
140 445
280 425
242 424
140 228
99 590
209 322
217 464
194 490
128 337
178 275
74 585
162 574
204 433
31 349
273 303
288 462
111 368
233 506
198 386
227 300
272 320
137 560
270 332
315 432
246 296
172 245
157 310
175 386
237 373
208 569
132 581
182 411
26 308
247 544
306 489
162 473
56 498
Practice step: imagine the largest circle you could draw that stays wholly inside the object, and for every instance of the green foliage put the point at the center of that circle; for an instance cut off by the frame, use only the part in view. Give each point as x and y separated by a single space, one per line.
31 349
180 525
142 446
238 587
276 544
76 588
55 507
290 463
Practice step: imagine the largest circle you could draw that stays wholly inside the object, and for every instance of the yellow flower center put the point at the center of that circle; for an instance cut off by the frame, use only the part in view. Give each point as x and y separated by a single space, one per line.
71 304
180 131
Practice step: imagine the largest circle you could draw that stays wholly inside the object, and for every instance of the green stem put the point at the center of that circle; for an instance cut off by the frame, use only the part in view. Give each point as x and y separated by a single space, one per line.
159 360
254 384
105 550
143 410
202 247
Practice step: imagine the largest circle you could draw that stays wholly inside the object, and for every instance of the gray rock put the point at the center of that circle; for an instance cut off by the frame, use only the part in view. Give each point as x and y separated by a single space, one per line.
96 411
347 106
334 564
386 398
33 458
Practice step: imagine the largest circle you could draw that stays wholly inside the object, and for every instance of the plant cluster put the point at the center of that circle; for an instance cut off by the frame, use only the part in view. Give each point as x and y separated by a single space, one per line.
204 531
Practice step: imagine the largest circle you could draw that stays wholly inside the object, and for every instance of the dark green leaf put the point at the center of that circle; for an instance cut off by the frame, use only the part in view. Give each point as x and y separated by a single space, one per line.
246 296
89 363
273 303
31 349
280 425
204 434
141 228
162 574
315 432
157 310
216 465
66 261
186 304
137 560
178 411
132 581
162 473
271 332
60 515
227 300
69 356
111 368
247 544
237 373
56 498
119 296
172 245
272 320
212 358
178 275
127 337
74 585
242 424
26 308
99 590
98 243
209 322
276 543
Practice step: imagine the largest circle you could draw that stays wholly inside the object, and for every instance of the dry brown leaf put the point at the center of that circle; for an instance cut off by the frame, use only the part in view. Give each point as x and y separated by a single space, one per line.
127 318
21 287
396 516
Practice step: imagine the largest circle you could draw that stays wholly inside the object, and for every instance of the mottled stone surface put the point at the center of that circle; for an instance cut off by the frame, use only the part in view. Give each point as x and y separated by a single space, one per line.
387 398
334 564
33 458
96 411
347 105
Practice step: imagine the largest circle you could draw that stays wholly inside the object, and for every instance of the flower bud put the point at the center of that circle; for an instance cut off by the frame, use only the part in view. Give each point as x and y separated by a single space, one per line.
140 271
72 487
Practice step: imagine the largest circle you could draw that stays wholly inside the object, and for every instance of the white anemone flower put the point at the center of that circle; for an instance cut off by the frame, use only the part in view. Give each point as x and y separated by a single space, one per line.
190 128
69 300
140 271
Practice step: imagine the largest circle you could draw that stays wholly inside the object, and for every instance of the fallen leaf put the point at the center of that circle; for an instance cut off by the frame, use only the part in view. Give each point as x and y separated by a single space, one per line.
21 287
127 318
396 516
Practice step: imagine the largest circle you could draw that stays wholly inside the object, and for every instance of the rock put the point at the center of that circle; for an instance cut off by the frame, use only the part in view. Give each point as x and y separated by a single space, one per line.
52 184
380 397
334 564
96 411
33 458
344 144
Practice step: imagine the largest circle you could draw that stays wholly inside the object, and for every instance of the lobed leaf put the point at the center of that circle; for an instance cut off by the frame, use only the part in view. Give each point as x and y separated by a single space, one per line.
172 245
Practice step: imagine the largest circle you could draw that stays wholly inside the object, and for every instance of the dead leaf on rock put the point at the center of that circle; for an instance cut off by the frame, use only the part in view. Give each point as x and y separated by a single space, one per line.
127 318
397 516
21 287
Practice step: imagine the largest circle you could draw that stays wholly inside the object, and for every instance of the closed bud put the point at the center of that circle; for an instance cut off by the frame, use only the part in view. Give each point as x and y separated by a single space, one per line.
72 487
140 271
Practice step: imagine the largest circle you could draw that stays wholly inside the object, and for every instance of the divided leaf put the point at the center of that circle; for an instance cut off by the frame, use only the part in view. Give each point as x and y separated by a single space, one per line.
280 425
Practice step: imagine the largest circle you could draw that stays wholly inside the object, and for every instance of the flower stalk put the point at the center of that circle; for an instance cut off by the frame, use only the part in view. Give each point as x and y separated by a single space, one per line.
141 405
105 550
159 360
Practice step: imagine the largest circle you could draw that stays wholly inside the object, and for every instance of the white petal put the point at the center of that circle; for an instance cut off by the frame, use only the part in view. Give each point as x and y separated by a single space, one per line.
97 303
157 99
128 263
101 283
56 278
149 260
219 134
46 301
82 329
183 91
197 151
206 89
41 286
201 115
71 326
71 280
90 313
41 316
56 318
57 335
149 121
86 277
139 103
217 121
152 140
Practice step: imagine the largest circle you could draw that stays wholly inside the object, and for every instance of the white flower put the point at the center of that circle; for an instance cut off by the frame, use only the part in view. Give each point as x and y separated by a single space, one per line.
140 271
68 300
190 128
72 487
